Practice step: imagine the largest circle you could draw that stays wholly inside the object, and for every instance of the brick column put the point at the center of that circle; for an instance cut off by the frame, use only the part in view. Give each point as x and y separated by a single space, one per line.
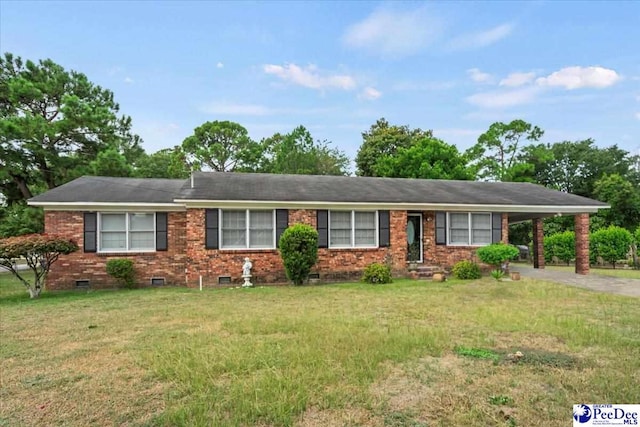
505 228
538 246
582 243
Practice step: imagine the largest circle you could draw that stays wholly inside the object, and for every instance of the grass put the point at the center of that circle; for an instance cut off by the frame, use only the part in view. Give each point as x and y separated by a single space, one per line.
349 354
618 272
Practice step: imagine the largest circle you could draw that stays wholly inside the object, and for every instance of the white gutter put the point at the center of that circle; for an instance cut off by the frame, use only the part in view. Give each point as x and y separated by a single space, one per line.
248 204
109 207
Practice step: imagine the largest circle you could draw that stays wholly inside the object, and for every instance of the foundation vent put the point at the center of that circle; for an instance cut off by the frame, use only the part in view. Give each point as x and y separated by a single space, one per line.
84 283
157 281
224 280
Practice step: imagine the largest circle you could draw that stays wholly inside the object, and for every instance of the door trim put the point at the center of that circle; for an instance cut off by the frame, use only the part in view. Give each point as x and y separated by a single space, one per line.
420 260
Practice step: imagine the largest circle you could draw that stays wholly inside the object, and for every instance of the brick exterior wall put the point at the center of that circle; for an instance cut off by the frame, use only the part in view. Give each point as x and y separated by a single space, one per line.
582 243
187 259
92 266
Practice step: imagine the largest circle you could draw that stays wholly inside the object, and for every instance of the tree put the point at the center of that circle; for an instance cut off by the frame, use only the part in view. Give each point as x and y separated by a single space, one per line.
110 163
221 146
496 156
428 158
167 163
624 199
575 166
297 153
383 140
497 254
40 251
611 244
53 122
19 219
299 251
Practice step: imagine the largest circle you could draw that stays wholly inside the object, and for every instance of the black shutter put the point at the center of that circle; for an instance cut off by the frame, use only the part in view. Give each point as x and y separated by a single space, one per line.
496 227
161 231
282 222
383 229
211 229
90 231
441 228
322 222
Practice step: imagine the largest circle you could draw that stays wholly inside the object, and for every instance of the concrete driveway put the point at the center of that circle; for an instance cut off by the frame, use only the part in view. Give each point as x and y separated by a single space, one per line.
594 282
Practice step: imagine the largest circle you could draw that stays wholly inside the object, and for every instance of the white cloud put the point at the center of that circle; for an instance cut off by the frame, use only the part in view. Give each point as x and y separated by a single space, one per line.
310 77
128 80
219 65
370 94
638 115
580 77
478 76
237 109
394 33
481 38
518 79
503 99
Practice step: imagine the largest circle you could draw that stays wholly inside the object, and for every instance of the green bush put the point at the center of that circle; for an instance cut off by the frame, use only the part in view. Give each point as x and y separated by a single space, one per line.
561 246
611 244
467 270
299 251
122 270
497 274
497 254
377 274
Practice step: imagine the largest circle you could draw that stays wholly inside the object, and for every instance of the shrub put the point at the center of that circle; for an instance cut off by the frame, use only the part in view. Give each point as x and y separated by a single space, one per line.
467 270
40 251
377 274
122 270
497 274
560 245
299 251
612 244
497 254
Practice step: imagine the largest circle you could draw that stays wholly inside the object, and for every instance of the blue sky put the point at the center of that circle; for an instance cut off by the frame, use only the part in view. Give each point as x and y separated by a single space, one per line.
572 68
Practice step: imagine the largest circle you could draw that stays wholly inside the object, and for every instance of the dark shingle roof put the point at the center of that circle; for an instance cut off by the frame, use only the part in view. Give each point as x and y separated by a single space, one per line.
101 189
311 188
219 186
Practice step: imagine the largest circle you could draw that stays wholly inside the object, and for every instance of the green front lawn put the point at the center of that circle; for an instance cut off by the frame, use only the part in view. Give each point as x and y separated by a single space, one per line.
410 353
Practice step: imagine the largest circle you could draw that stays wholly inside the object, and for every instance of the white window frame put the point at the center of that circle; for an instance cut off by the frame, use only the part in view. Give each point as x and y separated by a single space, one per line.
247 229
353 230
127 233
469 214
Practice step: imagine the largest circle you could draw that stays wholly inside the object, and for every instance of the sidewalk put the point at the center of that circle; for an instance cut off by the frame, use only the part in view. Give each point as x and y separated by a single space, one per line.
594 282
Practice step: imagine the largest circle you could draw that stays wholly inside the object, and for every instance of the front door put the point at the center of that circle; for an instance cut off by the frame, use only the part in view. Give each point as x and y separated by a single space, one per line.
414 237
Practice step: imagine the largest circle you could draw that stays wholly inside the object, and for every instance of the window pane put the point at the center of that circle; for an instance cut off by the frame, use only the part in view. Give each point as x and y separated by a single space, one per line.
110 241
340 228
141 240
141 222
260 229
234 238
234 220
481 237
459 237
459 220
113 222
481 221
365 228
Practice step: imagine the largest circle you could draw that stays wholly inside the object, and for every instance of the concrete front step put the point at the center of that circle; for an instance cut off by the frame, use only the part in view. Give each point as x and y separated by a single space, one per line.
425 271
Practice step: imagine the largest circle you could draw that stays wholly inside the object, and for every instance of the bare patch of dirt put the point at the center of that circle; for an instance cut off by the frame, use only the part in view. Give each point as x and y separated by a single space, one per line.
314 417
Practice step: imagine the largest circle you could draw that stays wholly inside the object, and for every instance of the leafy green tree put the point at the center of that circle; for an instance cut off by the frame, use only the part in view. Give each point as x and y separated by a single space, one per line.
428 158
496 156
574 167
40 251
18 219
167 163
299 251
221 146
497 254
297 153
561 246
624 199
110 163
636 248
611 244
53 122
384 140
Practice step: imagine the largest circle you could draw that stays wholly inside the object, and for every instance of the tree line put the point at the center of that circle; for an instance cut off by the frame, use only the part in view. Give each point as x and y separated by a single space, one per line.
56 125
